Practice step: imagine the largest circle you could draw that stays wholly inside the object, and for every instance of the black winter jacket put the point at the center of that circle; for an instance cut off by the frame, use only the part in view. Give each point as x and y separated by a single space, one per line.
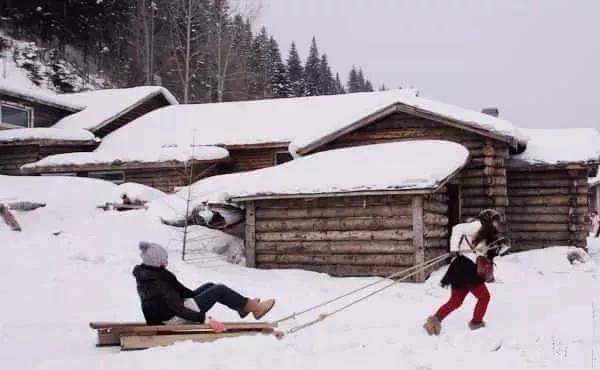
162 295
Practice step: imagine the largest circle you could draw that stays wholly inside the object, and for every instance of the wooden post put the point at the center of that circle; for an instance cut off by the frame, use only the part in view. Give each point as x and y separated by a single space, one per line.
250 237
418 231
9 218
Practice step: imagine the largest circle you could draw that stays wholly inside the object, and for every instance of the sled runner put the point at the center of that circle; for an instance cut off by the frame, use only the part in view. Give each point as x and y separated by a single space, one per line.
137 335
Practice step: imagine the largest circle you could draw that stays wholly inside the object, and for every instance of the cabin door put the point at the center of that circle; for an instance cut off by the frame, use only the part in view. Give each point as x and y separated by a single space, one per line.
454 207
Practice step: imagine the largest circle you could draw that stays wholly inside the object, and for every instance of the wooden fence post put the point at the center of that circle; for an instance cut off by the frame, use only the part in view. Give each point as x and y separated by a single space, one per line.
250 237
418 232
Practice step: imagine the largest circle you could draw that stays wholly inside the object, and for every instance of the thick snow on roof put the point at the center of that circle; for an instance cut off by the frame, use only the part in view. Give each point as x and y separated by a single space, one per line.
555 146
101 106
298 120
45 133
408 165
204 153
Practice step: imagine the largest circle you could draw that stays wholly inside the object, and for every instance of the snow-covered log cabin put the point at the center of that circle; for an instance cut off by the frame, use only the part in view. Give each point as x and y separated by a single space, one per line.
36 123
548 188
315 213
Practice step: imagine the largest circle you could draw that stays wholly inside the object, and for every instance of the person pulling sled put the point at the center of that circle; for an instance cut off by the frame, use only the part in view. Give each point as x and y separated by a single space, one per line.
474 245
165 300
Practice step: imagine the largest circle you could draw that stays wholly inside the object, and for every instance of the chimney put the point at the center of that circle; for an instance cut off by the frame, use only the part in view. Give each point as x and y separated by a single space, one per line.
492 111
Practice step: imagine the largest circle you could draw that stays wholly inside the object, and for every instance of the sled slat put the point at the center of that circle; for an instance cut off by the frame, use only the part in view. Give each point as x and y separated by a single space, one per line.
133 342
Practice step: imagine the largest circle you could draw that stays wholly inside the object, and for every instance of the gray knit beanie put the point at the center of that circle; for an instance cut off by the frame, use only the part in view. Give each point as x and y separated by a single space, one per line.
153 254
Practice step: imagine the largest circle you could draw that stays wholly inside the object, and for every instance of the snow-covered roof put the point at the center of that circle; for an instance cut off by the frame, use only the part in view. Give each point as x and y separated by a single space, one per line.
398 166
44 134
36 94
561 146
103 106
297 120
160 155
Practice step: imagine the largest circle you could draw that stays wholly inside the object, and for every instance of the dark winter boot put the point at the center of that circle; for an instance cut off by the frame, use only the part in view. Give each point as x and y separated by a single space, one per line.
474 325
433 326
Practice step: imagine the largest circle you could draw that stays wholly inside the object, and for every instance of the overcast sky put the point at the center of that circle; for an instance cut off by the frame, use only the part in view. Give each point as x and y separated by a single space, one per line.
537 61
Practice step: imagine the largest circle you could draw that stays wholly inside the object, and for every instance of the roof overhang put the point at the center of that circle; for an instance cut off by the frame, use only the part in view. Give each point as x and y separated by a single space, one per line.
526 166
49 142
116 166
40 100
412 110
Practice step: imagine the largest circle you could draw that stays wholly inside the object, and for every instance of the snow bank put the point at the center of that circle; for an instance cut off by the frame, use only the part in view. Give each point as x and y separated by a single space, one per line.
45 133
140 192
136 153
555 146
102 106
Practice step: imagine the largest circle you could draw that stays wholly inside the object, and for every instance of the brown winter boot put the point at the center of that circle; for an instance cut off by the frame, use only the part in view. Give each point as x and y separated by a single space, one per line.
474 325
246 310
433 326
258 308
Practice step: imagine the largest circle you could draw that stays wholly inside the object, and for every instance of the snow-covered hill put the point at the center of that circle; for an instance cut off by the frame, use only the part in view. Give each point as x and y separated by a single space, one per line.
72 264
26 65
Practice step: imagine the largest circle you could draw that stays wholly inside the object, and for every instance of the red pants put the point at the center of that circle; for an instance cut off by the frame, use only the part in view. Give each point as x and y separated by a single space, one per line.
458 296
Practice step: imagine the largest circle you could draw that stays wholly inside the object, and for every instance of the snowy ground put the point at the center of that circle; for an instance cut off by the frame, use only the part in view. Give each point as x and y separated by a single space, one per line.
72 264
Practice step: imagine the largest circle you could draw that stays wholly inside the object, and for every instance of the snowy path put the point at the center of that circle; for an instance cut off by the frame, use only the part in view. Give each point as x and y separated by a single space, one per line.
53 285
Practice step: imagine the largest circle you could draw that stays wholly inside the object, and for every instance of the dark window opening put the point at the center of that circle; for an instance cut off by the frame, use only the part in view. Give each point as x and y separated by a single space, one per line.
15 115
282 157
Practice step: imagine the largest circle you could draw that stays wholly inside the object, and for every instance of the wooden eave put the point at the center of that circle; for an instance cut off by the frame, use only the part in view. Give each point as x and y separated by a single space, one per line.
268 145
520 165
116 166
412 110
48 142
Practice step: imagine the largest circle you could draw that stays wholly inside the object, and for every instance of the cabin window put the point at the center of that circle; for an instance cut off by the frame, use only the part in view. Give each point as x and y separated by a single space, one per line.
117 177
16 115
282 157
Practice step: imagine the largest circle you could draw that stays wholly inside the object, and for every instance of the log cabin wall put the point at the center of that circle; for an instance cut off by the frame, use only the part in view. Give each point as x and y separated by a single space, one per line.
43 115
483 180
151 104
547 207
436 230
248 159
12 157
344 236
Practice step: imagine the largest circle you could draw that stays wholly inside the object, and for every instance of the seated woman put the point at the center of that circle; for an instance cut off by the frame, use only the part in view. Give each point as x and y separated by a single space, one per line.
165 300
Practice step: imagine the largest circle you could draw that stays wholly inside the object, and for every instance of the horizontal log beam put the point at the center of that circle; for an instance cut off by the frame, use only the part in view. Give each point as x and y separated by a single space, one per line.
514 209
336 235
515 192
334 259
551 218
335 224
324 202
383 211
340 269
335 247
559 200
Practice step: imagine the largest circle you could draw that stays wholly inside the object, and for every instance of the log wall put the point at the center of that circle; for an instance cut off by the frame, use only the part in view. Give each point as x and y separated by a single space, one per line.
12 157
247 159
547 207
483 181
344 236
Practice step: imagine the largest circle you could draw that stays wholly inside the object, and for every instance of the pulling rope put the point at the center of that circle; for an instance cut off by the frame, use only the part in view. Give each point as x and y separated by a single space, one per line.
416 267
324 316
410 272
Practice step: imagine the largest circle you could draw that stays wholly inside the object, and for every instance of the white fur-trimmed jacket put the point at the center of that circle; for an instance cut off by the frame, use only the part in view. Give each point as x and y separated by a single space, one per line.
468 230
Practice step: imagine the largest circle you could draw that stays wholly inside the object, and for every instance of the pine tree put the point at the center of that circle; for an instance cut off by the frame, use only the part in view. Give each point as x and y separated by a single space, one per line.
259 66
279 81
339 87
383 88
295 72
326 81
354 81
368 86
361 80
312 71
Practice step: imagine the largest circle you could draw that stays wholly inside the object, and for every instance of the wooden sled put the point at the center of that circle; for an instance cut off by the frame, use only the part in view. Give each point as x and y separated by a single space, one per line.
136 335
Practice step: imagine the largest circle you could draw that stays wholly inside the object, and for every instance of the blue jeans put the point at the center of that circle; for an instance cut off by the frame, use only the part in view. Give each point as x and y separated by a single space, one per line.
208 294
